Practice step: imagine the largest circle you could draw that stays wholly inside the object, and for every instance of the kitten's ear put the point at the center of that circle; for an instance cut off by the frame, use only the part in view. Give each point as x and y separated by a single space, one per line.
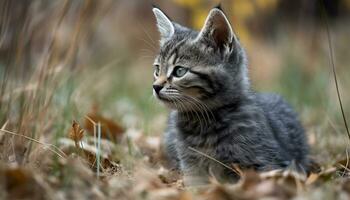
165 26
217 29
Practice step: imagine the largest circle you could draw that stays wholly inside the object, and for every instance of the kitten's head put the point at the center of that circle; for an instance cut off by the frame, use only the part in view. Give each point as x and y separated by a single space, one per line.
198 70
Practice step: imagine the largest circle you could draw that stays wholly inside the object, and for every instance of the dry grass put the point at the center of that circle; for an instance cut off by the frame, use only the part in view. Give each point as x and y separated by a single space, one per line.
78 122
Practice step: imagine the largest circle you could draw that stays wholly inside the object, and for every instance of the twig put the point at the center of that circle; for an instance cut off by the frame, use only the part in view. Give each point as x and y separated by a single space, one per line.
52 147
213 159
97 130
98 154
333 66
347 162
5 124
3 128
94 124
345 169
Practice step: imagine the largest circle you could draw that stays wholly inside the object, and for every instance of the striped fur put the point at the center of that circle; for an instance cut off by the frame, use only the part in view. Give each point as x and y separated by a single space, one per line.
214 110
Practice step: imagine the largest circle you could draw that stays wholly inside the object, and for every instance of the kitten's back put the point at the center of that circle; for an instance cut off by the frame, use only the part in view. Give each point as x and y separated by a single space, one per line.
285 126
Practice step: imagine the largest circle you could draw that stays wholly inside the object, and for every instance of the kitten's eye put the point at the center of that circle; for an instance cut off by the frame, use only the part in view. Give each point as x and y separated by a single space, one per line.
179 71
156 70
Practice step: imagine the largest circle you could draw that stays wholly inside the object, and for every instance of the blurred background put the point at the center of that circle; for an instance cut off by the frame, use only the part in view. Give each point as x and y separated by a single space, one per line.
61 60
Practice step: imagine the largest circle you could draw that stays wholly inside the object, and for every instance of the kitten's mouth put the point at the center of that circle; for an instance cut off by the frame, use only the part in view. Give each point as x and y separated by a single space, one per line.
166 96
172 99
163 98
168 101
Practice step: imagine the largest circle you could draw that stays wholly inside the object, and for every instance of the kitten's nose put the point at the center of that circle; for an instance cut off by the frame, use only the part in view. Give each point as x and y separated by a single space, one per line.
157 88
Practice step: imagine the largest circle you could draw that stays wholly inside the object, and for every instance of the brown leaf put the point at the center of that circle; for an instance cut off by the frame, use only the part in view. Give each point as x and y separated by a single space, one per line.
250 179
185 196
146 179
76 133
343 166
106 165
109 128
325 175
223 192
88 154
82 184
312 178
164 194
21 184
345 186
150 147
279 184
169 176
269 188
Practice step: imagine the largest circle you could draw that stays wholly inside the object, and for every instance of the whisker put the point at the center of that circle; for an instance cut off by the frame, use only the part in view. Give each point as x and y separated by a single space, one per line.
201 113
201 109
206 108
197 106
182 106
146 32
148 44
195 110
178 99
202 105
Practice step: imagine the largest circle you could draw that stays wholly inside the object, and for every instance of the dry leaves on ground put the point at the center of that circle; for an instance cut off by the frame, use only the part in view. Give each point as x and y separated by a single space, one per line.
91 169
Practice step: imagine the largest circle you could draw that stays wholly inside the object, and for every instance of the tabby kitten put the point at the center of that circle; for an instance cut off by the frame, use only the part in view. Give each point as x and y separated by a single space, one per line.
202 77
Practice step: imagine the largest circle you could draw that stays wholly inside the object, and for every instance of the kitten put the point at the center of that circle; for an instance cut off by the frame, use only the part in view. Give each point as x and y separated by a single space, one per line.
202 77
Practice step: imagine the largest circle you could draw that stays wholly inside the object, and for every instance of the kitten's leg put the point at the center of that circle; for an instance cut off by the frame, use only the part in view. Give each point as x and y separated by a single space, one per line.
195 176
169 148
194 170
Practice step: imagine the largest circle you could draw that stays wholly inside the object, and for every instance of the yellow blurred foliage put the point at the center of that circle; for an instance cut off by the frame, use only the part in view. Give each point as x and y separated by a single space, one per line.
188 3
241 10
198 18
266 5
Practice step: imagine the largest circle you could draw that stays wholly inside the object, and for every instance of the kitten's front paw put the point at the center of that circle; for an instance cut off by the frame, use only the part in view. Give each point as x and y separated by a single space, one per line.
195 180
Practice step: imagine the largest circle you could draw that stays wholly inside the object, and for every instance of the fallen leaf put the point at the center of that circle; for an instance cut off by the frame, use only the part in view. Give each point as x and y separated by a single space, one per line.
89 154
169 176
185 196
20 184
269 188
164 194
150 147
106 164
109 128
249 179
312 178
223 192
82 181
76 133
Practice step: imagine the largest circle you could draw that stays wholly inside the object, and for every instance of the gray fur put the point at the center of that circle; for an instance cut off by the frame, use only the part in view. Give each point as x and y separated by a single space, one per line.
214 110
